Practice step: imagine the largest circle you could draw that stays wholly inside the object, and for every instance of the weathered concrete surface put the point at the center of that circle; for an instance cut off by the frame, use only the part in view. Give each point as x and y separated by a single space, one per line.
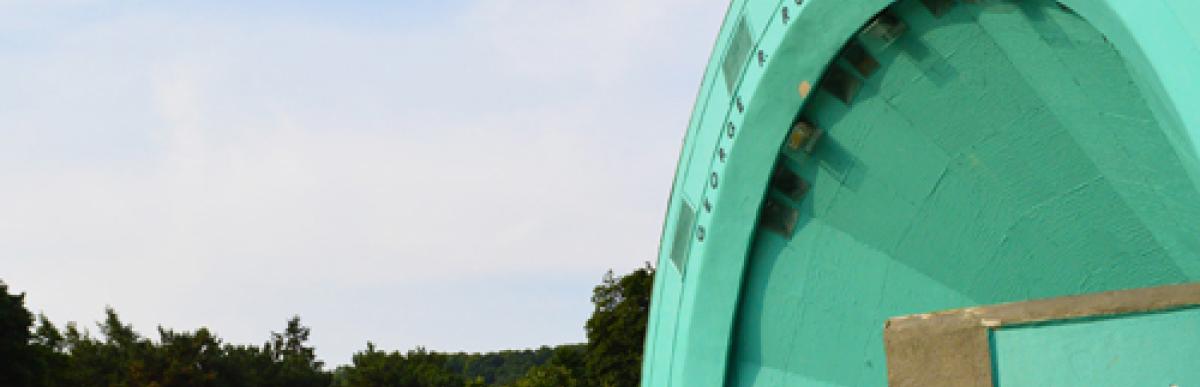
1064 341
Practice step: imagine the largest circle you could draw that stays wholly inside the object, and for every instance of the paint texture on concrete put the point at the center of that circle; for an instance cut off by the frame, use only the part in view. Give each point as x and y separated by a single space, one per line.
1156 349
994 157
1001 151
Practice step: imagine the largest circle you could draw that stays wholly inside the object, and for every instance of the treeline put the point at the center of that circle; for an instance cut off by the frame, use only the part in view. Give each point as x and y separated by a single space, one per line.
505 367
36 353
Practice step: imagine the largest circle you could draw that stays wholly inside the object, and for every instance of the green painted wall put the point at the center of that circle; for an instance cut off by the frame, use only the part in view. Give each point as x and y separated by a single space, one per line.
1157 349
1002 152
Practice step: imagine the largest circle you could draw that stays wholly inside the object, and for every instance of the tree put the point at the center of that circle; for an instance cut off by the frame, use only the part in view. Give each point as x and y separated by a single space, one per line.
616 330
122 358
184 359
564 369
33 352
297 364
50 345
19 362
548 375
417 368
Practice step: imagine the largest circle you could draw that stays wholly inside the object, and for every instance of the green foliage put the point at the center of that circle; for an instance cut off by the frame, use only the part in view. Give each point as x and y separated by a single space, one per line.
49 345
565 368
617 329
616 332
548 375
123 358
16 355
34 352
417 368
296 363
499 368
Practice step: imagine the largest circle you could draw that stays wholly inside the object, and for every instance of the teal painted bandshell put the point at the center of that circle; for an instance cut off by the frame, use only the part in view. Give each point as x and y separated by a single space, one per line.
970 153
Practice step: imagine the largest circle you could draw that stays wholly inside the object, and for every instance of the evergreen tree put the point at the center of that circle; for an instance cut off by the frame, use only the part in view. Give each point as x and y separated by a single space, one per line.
297 362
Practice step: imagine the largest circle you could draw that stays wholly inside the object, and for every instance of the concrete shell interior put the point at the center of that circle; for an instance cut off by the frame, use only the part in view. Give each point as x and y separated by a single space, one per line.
970 153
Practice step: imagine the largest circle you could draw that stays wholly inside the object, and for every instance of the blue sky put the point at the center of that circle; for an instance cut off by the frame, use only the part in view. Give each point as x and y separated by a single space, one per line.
453 174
